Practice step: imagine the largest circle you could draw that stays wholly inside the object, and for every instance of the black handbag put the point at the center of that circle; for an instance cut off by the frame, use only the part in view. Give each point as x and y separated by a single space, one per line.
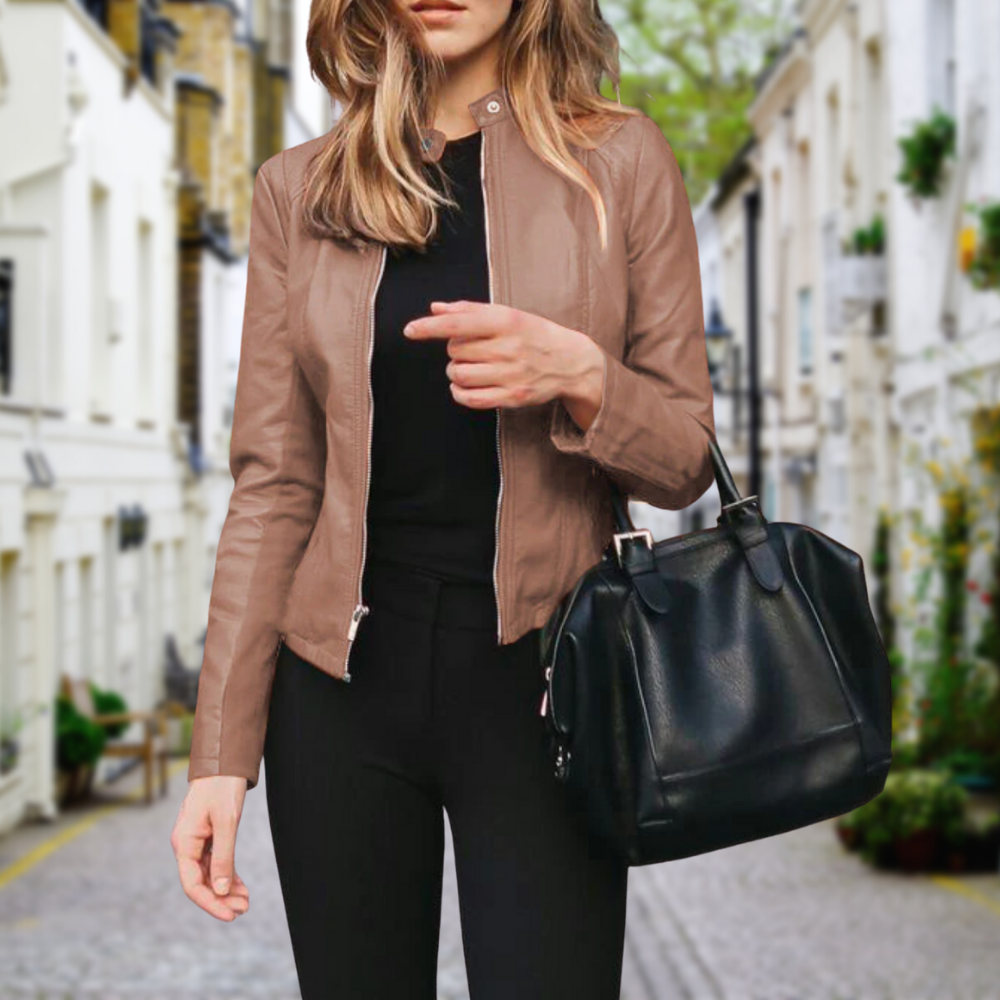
717 687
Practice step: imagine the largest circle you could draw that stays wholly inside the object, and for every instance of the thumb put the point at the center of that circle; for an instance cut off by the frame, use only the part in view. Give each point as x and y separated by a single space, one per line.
223 852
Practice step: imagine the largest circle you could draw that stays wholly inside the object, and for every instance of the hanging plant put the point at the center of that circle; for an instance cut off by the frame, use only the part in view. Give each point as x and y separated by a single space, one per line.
924 151
870 239
983 260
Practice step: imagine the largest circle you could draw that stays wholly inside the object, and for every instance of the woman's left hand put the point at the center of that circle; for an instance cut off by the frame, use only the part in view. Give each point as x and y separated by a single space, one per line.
501 356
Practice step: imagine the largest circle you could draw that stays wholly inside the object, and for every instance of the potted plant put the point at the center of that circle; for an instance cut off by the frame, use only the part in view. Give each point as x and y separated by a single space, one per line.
918 812
862 265
868 240
79 743
925 150
109 703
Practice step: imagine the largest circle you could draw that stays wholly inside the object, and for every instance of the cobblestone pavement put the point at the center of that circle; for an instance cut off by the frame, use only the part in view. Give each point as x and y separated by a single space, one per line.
788 918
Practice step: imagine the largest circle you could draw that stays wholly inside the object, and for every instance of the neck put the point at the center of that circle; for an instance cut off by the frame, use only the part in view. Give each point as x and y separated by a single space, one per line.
467 81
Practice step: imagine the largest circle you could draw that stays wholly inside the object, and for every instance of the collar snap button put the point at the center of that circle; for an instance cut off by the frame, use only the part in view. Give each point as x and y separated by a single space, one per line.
493 107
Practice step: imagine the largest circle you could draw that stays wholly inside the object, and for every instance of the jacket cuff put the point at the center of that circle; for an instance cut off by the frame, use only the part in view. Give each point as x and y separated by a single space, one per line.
208 767
653 446
565 433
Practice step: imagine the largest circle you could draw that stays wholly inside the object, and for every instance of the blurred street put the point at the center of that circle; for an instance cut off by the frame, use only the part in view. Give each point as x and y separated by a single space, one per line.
786 918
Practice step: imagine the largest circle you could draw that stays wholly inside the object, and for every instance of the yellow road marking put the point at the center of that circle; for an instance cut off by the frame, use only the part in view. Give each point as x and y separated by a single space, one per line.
954 885
61 839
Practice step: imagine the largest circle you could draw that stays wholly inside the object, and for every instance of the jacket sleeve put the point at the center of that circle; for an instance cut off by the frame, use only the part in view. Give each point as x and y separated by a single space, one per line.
278 459
651 432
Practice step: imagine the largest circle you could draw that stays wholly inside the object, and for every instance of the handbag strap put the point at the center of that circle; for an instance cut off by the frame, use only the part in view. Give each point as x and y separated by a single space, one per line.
741 515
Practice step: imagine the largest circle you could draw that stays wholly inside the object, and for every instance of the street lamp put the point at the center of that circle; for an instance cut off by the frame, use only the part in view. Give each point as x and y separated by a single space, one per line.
718 340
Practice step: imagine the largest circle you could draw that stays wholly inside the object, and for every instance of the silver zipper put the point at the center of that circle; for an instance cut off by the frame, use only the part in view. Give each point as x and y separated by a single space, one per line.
489 268
361 609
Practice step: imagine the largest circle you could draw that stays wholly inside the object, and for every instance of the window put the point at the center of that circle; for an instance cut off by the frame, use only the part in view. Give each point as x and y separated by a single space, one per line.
805 331
941 37
6 324
146 400
100 302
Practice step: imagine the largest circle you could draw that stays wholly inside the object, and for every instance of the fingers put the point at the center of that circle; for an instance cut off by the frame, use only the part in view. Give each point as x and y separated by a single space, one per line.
204 841
223 851
470 319
474 375
195 888
239 888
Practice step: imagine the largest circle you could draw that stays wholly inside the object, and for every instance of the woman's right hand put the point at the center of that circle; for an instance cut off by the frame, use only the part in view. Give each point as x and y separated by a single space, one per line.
204 843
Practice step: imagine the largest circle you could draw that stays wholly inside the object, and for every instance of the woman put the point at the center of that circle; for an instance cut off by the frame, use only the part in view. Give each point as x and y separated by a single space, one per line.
456 334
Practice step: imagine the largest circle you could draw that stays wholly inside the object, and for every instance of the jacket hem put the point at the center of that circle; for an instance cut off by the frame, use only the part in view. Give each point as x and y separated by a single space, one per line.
330 661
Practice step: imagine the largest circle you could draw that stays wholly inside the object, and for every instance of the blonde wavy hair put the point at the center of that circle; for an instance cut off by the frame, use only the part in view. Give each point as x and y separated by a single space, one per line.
368 183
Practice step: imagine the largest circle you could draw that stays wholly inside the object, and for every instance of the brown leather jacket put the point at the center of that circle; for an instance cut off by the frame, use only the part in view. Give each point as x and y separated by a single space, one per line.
292 549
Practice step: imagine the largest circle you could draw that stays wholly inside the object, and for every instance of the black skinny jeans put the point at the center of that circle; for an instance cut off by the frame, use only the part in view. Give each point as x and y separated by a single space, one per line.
358 775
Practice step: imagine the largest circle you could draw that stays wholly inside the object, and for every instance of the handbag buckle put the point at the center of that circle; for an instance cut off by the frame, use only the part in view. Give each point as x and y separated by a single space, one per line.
641 533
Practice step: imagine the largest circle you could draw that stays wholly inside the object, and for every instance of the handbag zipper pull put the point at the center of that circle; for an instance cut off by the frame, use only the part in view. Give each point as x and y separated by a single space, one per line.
545 693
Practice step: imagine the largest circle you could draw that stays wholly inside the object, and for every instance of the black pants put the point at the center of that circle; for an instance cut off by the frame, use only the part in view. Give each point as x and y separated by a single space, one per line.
358 775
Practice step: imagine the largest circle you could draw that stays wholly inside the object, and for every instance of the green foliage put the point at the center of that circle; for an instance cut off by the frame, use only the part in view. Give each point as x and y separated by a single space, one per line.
870 240
965 763
984 269
78 740
924 151
109 703
911 801
953 692
691 66
986 437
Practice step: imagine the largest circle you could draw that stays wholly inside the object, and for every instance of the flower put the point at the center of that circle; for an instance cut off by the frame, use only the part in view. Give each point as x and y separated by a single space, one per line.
971 585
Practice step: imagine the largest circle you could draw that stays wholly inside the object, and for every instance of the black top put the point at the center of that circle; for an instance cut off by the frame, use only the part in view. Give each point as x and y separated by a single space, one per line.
435 473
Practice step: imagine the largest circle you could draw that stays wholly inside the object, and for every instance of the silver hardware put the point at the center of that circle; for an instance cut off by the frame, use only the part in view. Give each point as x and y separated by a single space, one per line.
562 762
357 613
641 533
360 611
493 107
739 503
545 693
489 268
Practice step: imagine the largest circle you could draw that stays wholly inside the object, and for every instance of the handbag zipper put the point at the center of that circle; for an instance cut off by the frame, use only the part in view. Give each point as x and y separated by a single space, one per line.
361 609
489 269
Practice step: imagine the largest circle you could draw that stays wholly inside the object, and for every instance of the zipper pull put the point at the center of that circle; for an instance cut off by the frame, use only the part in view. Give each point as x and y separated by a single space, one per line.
545 693
359 612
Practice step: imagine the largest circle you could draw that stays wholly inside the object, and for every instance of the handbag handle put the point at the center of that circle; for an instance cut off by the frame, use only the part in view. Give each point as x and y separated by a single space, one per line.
740 514
728 493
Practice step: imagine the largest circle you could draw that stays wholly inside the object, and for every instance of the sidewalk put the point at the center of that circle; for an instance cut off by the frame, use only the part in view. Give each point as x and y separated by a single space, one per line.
90 907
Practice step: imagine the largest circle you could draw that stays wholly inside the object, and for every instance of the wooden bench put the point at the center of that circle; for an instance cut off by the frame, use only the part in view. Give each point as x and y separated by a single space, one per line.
152 749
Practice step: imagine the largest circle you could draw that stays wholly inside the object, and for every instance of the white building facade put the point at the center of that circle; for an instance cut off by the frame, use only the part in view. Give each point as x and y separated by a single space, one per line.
87 431
875 349
129 136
